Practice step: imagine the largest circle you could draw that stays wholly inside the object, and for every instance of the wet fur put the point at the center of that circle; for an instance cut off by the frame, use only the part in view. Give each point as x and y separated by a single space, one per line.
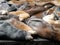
23 27
43 28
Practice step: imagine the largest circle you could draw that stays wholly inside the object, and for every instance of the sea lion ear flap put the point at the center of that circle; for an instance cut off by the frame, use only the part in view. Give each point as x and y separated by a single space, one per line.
48 5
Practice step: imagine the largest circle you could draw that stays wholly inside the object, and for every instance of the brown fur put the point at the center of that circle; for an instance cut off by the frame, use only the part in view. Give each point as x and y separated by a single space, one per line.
22 15
30 2
39 15
43 29
18 2
57 31
21 25
56 27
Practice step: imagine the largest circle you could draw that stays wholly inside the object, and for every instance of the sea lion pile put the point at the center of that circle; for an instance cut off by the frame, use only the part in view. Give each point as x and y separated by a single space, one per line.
22 19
